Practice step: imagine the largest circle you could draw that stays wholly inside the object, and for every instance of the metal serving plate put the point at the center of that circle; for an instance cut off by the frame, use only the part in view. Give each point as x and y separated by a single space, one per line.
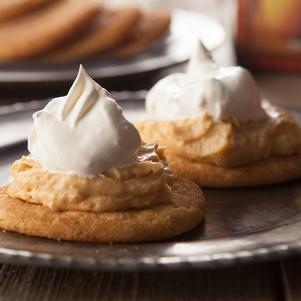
240 225
186 28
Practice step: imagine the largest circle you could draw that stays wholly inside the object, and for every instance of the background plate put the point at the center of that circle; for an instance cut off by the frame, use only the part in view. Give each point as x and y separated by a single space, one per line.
240 225
186 28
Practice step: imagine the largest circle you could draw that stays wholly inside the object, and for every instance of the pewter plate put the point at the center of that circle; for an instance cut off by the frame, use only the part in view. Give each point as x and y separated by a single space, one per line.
241 225
186 28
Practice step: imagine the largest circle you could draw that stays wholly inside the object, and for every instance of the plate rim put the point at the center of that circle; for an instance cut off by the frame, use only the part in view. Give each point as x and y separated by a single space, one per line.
269 251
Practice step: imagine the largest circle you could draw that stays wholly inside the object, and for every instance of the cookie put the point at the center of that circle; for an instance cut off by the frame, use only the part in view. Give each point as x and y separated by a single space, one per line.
44 28
10 9
264 172
152 26
185 211
111 28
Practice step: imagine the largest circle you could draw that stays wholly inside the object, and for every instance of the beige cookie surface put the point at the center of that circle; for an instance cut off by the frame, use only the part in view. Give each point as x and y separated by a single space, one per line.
14 8
264 172
152 26
44 28
110 29
185 211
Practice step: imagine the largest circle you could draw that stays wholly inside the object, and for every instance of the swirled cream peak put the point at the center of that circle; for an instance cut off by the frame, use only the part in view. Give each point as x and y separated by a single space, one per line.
84 132
226 93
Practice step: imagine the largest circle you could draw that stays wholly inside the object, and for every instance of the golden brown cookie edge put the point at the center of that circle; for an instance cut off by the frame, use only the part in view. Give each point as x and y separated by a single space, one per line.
157 223
264 172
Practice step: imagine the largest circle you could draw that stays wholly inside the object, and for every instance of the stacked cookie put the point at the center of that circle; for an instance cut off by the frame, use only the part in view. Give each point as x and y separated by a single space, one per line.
73 30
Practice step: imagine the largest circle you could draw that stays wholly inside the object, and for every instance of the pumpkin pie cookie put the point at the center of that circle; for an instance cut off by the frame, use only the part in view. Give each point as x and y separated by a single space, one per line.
89 178
218 131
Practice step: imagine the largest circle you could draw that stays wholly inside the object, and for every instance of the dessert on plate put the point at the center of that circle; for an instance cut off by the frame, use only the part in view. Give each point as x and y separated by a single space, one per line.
63 31
217 129
89 177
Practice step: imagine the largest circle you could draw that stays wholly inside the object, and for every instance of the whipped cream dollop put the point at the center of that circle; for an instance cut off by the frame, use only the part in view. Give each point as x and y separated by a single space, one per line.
83 133
225 93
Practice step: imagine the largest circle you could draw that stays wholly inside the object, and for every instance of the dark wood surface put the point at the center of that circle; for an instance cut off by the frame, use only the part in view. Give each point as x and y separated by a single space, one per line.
260 281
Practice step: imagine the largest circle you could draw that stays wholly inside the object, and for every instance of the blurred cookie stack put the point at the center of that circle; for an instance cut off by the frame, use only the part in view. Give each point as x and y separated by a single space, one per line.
62 31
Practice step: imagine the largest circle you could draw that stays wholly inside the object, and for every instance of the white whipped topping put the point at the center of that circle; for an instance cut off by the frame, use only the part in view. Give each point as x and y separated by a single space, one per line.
84 132
225 93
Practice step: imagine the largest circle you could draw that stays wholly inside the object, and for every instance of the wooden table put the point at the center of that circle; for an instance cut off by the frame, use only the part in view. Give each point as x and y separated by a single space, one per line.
262 281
